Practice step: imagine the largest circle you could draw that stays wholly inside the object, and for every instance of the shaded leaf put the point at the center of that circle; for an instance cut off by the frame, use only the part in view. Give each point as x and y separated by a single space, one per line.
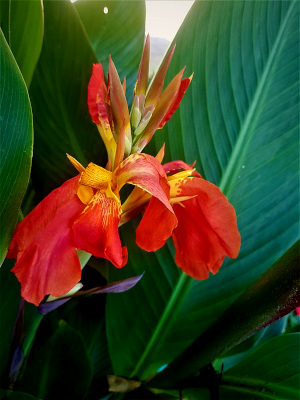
9 306
274 294
59 365
16 143
116 28
86 315
270 372
23 29
237 353
59 99
10 395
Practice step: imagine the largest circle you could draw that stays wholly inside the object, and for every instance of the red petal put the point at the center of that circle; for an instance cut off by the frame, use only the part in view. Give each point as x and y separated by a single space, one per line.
177 165
96 98
143 72
207 229
155 227
96 230
47 261
147 173
158 81
182 89
165 101
118 102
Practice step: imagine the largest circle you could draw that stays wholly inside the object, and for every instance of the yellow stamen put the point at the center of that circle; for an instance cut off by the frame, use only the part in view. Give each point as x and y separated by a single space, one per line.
96 177
85 194
179 199
75 163
110 194
175 186
109 141
181 175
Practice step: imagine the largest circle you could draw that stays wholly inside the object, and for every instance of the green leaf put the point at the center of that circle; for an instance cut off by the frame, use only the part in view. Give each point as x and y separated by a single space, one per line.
270 372
125 45
59 99
9 306
59 87
274 294
237 353
16 143
58 364
239 120
10 395
23 29
87 317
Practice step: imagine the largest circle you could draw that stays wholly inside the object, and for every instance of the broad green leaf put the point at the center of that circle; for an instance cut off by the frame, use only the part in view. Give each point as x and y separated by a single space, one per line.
237 353
239 120
57 364
270 372
12 395
86 315
16 143
273 295
116 28
9 305
59 89
59 99
23 29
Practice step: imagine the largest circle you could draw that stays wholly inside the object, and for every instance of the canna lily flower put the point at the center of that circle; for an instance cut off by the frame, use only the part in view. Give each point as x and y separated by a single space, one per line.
86 211
151 108
83 214
207 227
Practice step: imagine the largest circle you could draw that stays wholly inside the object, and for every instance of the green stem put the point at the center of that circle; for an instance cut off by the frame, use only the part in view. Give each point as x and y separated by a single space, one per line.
30 333
173 305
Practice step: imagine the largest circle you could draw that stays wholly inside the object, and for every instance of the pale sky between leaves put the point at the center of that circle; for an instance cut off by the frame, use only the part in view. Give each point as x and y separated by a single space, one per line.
163 17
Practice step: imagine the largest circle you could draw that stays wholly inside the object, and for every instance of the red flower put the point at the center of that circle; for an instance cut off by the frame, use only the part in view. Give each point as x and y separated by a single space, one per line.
83 214
151 108
207 227
43 246
86 211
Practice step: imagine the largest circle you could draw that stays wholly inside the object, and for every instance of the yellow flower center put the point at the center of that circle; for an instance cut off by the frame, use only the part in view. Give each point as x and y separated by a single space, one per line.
97 178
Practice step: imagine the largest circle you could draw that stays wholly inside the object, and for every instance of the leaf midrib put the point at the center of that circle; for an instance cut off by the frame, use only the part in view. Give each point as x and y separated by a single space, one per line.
256 386
170 309
236 159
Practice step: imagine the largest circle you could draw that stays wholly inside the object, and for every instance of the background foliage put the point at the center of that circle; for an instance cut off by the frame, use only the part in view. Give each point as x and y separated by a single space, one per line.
240 121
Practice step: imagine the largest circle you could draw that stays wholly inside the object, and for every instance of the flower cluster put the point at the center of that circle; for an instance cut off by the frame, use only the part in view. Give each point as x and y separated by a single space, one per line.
86 211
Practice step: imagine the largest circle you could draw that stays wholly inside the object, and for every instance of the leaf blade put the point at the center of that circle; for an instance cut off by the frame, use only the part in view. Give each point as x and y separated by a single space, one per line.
23 29
16 144
227 46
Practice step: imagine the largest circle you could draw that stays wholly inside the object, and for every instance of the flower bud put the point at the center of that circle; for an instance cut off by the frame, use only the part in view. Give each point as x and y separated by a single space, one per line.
128 145
144 121
135 117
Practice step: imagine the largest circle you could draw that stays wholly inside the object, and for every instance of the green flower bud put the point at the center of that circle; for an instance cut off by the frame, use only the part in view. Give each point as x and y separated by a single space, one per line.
135 117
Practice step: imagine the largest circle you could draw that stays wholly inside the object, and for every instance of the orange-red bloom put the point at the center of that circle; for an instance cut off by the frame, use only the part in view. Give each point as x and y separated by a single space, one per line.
83 214
46 259
207 227
86 211
151 108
